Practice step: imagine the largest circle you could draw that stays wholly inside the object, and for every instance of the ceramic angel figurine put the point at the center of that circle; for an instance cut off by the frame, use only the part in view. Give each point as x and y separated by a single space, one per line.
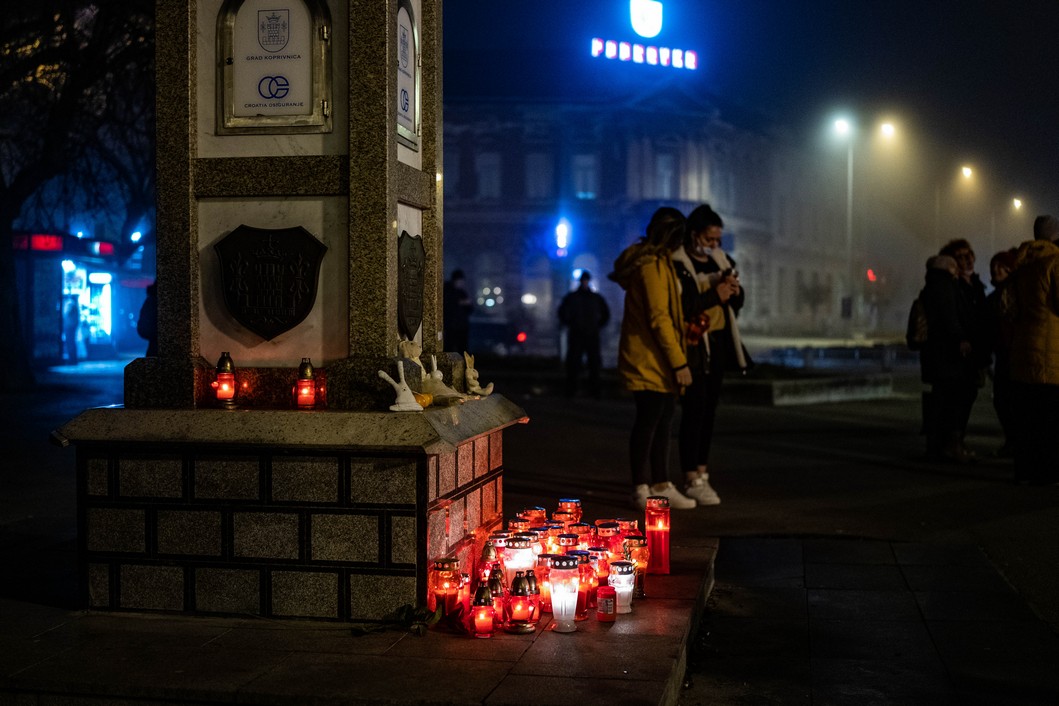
406 401
434 384
472 378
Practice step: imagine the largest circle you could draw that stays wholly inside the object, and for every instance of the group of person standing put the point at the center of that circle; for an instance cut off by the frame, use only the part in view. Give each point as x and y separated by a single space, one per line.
678 337
1012 333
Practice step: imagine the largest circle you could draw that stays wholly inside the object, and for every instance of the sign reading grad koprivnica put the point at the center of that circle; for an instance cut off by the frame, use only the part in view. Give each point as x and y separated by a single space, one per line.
274 66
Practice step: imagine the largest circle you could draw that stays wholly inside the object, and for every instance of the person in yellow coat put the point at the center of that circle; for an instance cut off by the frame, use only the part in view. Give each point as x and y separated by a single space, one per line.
652 360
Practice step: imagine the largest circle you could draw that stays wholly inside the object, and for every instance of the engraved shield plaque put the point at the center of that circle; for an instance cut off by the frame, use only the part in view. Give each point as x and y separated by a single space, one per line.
270 277
411 270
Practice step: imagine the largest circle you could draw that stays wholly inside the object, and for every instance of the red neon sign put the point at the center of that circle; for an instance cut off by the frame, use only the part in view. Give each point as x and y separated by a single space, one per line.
46 243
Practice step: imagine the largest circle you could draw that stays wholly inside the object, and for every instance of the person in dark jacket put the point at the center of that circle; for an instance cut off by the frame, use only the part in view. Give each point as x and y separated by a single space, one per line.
147 324
711 296
999 331
947 361
456 313
973 309
584 313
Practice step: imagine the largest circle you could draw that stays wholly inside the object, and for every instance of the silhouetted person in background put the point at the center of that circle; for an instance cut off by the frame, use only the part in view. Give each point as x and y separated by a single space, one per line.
457 313
71 325
147 324
583 313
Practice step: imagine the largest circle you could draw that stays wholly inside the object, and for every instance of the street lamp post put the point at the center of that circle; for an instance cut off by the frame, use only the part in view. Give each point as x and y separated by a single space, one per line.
845 129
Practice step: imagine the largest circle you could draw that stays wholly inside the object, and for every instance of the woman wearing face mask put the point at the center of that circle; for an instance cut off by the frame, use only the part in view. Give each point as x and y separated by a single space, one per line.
711 297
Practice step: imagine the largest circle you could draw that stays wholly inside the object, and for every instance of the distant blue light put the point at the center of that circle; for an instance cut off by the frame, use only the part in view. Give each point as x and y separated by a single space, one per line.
135 237
562 234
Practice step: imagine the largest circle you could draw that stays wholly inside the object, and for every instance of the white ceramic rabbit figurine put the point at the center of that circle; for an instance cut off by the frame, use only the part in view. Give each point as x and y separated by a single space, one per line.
472 378
406 401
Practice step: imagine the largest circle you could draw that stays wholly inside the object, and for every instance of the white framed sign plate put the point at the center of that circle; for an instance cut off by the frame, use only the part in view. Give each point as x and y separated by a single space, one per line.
274 67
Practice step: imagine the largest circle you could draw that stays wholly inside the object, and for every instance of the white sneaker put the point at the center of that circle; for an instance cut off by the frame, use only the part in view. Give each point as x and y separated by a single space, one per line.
702 492
639 495
677 500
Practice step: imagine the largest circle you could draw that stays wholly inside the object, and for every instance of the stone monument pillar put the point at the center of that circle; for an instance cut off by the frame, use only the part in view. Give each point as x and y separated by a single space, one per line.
299 217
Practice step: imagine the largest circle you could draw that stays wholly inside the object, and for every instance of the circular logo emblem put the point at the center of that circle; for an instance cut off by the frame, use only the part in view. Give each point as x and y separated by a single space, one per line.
273 87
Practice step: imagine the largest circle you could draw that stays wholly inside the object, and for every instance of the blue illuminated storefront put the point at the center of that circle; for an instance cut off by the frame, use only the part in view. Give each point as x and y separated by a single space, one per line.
77 300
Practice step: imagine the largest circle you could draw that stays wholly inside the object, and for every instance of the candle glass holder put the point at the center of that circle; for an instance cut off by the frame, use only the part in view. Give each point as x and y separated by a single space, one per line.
536 514
443 585
610 537
224 385
304 390
541 572
564 580
571 505
483 614
628 526
656 523
567 542
622 578
517 555
498 591
637 551
521 610
587 583
586 534
564 517
600 563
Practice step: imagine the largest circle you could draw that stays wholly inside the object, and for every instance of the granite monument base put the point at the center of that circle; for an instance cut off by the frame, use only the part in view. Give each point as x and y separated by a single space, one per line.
328 515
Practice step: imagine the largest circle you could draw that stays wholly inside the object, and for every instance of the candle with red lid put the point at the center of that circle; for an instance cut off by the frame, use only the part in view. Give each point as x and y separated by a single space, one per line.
657 525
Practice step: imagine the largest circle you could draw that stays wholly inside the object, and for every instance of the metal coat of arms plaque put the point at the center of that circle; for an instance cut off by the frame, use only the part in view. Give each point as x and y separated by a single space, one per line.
411 272
270 276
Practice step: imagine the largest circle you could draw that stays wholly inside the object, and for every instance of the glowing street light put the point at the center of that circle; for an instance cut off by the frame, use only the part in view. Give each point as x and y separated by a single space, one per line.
1016 203
887 130
967 172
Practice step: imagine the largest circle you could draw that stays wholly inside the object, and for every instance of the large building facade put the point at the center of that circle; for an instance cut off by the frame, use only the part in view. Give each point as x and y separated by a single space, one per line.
537 191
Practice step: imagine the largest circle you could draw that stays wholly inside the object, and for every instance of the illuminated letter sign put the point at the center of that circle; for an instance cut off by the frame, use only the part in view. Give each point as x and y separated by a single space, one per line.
646 17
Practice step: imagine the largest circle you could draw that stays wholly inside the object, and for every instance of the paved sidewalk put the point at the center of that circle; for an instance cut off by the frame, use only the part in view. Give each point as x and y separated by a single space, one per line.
848 571
52 656
840 621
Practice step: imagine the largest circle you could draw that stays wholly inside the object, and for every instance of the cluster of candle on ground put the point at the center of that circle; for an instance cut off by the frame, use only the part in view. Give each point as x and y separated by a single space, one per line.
561 566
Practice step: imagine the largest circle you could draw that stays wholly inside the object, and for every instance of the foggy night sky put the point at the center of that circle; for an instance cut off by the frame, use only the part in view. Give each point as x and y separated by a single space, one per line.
977 79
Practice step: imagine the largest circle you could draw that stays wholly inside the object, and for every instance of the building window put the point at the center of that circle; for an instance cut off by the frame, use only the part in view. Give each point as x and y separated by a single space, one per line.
487 169
540 176
665 176
586 176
